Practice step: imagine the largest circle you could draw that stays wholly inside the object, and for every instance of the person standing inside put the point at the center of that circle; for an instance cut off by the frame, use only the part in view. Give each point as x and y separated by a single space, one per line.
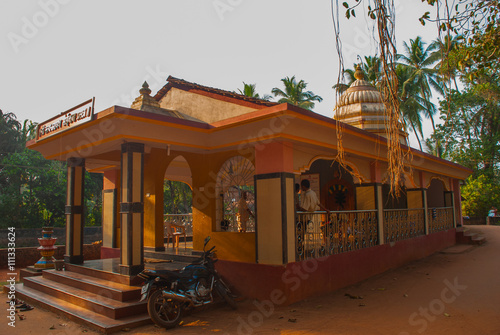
244 212
309 201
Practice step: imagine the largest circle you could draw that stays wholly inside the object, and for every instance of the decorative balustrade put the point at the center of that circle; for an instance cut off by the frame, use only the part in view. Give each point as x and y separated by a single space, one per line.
318 235
185 220
401 224
440 219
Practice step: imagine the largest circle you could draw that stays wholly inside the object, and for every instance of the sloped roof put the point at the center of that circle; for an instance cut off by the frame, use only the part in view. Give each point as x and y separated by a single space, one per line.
188 86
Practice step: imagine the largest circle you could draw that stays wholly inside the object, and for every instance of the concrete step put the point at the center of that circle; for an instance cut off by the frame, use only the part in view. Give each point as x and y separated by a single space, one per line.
465 236
95 285
478 240
103 274
91 319
103 305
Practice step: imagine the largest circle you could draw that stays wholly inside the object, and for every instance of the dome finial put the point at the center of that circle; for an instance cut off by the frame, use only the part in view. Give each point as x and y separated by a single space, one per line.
359 74
145 89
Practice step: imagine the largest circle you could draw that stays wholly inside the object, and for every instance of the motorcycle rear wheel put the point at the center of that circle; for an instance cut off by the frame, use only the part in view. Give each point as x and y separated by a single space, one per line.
225 293
166 313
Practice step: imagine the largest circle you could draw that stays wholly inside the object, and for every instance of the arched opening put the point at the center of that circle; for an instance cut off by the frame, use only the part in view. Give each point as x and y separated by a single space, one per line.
435 193
178 196
235 209
333 184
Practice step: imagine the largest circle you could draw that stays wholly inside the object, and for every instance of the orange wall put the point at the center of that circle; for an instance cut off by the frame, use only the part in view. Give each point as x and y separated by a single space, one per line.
274 157
230 246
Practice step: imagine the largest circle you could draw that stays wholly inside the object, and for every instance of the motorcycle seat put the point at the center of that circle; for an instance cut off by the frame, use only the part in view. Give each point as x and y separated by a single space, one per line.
166 273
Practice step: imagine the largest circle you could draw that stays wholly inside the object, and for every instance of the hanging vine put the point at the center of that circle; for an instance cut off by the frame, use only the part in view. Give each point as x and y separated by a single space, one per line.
383 12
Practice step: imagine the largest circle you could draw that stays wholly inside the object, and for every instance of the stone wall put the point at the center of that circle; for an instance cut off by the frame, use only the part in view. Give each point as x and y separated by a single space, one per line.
474 220
29 237
29 256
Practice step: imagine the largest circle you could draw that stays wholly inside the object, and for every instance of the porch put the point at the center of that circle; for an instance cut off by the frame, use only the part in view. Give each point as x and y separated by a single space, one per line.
320 234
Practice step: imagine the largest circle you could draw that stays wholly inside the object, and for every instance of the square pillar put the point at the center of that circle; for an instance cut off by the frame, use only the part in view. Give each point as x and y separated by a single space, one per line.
426 211
154 175
369 197
110 209
274 204
449 202
275 218
74 210
132 209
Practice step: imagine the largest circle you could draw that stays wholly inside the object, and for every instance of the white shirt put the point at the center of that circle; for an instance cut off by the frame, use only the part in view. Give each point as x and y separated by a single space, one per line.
309 201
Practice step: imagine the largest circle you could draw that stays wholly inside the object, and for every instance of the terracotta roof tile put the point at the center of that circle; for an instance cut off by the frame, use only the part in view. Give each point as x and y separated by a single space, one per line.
183 84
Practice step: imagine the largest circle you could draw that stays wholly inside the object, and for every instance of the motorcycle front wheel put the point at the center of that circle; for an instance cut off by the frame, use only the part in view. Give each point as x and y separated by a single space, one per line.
166 313
225 293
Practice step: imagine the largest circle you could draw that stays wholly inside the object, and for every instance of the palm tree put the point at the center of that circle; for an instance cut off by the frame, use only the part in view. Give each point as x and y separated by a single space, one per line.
411 104
419 61
373 69
445 55
249 91
295 93
9 133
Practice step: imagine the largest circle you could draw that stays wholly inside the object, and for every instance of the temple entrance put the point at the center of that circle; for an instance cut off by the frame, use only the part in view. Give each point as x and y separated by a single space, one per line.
333 184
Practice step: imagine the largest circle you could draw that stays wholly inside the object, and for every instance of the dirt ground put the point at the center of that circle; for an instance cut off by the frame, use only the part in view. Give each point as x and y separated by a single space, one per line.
455 292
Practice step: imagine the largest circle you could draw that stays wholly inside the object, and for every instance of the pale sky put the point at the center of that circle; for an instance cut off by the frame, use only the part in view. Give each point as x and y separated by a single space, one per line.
59 53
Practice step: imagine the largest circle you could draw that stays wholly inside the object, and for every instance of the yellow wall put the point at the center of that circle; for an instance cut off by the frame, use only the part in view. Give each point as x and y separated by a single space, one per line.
365 198
201 107
230 246
154 170
414 199
269 220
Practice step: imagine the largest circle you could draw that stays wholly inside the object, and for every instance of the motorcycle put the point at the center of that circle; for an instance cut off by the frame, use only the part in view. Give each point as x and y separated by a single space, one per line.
171 293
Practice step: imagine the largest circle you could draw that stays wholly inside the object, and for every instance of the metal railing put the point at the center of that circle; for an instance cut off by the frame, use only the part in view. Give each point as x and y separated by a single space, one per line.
440 218
493 220
185 220
401 224
318 235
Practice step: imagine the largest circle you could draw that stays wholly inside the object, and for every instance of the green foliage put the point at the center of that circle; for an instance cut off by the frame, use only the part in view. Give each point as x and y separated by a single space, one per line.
418 60
177 197
33 189
480 194
470 134
250 91
295 93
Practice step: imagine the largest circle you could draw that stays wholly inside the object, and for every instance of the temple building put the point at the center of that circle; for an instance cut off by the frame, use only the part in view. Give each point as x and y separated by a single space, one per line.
234 151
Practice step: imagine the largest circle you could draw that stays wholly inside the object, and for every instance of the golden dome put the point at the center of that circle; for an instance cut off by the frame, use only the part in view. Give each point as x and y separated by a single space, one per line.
360 91
361 106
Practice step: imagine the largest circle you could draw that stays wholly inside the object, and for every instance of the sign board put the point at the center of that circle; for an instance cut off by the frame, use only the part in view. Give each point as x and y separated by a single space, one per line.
71 118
